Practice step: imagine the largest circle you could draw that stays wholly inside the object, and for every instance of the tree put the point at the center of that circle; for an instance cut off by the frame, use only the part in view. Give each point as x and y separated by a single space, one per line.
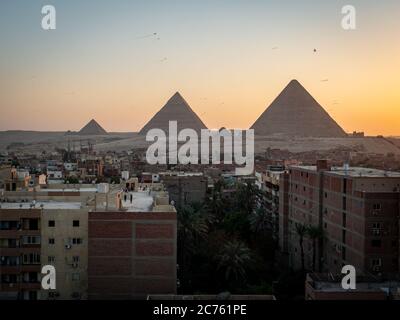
192 228
234 259
314 233
301 231
248 197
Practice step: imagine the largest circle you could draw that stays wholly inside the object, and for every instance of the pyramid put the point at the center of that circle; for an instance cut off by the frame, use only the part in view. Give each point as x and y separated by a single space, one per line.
176 109
92 128
296 113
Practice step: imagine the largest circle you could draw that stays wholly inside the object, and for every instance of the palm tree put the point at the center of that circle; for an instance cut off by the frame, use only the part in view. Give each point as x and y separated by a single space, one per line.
301 231
234 258
260 221
192 228
314 233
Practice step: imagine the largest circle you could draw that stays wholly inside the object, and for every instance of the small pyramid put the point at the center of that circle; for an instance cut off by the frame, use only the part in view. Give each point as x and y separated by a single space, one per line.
176 109
92 128
296 113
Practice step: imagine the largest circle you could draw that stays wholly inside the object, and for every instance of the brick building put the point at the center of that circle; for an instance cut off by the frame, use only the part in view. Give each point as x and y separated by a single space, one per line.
132 254
357 209
20 247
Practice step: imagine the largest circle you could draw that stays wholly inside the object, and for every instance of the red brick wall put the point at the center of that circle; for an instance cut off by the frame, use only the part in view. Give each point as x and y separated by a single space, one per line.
131 254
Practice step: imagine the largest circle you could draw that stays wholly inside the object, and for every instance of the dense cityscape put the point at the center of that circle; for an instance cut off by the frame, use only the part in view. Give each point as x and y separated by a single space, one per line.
115 227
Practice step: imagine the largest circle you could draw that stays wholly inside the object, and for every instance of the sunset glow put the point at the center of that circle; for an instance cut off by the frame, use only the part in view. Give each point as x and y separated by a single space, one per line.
229 59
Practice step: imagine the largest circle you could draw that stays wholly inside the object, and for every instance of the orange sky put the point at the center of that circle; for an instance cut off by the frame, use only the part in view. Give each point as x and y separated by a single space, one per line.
221 61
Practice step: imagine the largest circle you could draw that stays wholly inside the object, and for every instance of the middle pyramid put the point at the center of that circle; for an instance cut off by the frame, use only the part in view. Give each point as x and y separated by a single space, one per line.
176 109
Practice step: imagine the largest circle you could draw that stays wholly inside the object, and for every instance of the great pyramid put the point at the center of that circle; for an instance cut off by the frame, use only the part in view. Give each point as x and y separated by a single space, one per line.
296 113
92 128
176 109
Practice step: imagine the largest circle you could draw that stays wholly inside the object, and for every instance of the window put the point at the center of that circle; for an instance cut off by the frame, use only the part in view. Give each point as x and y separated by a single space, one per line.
377 206
52 241
376 243
326 195
31 258
76 241
31 239
75 259
376 228
51 259
52 223
75 223
75 277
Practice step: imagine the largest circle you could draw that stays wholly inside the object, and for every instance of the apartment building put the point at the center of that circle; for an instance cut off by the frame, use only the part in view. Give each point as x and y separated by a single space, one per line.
38 233
65 246
20 251
268 180
357 210
132 248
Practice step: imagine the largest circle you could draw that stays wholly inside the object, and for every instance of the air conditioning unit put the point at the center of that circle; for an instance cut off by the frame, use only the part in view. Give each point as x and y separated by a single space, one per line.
75 265
68 246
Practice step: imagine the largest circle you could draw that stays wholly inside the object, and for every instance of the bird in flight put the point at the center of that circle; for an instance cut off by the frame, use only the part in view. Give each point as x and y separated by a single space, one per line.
154 34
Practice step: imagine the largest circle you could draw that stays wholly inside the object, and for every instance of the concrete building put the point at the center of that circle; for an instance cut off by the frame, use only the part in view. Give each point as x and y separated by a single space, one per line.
328 287
268 181
185 187
65 246
104 241
34 234
358 210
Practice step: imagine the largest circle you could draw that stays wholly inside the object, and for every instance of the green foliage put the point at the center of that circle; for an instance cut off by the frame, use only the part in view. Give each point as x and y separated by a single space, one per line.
226 243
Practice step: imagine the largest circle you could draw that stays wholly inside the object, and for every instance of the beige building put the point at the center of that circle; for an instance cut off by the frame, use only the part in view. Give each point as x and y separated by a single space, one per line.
65 246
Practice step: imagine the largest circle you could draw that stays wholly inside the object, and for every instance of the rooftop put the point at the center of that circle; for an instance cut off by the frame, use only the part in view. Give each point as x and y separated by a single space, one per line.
332 283
47 205
142 201
71 190
355 172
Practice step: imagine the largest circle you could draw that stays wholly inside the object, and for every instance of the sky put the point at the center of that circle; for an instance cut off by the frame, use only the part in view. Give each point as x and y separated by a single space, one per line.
228 58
